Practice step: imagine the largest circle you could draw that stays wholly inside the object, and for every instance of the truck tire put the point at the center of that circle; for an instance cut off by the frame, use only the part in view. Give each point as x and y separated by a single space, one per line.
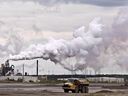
76 90
73 91
84 89
87 90
66 91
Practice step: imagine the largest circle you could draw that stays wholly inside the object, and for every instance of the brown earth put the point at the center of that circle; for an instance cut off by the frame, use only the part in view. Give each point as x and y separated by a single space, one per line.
48 93
42 90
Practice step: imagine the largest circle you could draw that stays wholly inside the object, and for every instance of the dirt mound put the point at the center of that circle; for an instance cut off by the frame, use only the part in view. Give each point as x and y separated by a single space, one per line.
105 91
115 87
46 91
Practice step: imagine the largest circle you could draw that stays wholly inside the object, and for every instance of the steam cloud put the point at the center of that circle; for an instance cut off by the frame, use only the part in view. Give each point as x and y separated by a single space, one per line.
96 48
117 49
82 46
13 44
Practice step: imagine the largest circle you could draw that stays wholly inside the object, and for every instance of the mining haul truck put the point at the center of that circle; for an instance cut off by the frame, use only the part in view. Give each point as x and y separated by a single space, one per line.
76 86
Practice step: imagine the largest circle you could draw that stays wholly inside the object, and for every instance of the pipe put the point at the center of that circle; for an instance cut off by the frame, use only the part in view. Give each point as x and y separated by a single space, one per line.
26 58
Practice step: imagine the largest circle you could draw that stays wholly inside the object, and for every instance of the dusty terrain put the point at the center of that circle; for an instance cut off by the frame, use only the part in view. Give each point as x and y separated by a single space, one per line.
56 90
47 93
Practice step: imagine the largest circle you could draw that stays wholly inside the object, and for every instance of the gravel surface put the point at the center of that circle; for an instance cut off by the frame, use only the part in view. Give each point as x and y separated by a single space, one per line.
48 93
43 90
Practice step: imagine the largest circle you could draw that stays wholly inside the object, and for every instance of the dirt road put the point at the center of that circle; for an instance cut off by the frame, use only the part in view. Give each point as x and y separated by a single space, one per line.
47 93
43 90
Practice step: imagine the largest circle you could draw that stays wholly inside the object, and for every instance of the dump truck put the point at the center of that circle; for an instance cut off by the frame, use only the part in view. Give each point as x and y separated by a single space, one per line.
76 86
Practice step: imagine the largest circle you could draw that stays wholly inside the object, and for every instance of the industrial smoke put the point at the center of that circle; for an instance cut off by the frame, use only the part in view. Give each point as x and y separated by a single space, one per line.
101 48
83 46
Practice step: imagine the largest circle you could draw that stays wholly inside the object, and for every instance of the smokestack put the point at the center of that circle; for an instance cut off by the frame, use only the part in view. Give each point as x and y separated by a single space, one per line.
7 63
37 68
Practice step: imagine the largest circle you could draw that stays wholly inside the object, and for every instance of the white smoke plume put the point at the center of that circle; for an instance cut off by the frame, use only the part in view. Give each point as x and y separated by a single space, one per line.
12 43
83 46
113 52
96 48
118 46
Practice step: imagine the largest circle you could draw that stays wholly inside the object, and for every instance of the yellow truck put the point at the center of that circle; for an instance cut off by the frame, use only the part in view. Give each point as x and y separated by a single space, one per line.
76 86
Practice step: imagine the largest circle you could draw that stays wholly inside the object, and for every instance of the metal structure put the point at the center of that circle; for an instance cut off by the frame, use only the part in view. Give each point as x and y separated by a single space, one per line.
6 69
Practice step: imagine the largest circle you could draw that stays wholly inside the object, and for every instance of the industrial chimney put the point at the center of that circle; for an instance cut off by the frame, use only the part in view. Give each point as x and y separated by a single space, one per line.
37 68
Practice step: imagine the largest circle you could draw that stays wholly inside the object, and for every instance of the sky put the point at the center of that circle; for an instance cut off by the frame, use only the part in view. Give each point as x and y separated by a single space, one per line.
26 22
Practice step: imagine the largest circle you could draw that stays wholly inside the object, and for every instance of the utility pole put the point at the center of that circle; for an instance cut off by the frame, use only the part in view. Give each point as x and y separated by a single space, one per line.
37 68
85 71
23 73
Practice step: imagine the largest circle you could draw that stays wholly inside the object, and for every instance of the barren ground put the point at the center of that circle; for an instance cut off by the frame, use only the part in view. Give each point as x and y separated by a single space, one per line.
45 93
43 90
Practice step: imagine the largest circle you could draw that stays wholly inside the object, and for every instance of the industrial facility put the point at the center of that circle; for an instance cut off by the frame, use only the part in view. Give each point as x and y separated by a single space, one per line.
6 69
